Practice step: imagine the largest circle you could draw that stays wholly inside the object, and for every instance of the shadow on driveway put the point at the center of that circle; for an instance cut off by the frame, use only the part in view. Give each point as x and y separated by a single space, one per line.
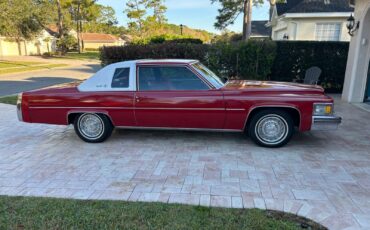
14 87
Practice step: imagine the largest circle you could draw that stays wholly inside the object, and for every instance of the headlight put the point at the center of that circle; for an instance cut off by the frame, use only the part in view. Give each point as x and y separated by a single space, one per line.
324 109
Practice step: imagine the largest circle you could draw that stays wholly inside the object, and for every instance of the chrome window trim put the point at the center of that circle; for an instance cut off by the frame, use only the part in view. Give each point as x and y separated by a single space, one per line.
209 85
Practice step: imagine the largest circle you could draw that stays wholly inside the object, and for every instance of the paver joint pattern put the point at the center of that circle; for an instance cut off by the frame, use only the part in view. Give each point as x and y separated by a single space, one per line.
324 176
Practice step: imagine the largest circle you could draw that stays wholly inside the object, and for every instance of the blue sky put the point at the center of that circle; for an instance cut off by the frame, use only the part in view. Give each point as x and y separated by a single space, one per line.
199 14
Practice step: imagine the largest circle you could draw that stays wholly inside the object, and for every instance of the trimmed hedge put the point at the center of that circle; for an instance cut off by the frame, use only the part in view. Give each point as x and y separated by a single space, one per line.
256 59
294 58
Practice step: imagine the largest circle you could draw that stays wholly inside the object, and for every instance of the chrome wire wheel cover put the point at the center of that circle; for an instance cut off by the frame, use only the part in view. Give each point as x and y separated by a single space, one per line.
91 126
271 129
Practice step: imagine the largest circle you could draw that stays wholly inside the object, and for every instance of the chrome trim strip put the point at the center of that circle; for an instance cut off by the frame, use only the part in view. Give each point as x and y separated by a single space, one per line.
19 107
235 109
88 112
272 106
60 107
133 108
180 129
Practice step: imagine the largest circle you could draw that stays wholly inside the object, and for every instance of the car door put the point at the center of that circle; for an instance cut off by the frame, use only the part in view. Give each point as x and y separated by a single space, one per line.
174 96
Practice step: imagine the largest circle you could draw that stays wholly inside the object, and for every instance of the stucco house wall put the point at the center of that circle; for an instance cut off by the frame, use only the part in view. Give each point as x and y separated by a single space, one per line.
39 45
357 78
97 45
307 20
304 29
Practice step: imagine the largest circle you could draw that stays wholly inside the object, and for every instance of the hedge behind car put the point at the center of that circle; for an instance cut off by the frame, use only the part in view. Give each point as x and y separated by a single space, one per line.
255 59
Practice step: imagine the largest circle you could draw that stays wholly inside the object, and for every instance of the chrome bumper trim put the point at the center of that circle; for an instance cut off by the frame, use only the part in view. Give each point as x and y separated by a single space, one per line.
325 123
19 109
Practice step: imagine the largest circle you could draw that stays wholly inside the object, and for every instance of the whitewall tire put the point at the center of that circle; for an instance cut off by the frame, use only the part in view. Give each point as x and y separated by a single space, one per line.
271 128
92 127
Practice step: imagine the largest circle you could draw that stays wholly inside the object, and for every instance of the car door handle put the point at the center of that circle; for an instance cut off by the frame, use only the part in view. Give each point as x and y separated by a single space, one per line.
137 98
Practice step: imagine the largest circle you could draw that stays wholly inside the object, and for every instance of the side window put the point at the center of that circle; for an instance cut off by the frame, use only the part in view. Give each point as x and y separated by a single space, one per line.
169 78
121 78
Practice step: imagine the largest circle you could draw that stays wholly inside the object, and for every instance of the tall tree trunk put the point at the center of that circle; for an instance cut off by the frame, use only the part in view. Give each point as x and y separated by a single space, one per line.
25 47
247 20
60 20
78 19
60 27
81 31
272 5
19 46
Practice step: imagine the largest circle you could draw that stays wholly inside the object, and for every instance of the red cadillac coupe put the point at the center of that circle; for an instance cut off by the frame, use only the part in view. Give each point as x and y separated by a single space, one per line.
180 95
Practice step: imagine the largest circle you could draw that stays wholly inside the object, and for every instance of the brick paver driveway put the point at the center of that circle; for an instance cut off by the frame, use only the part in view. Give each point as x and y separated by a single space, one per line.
323 176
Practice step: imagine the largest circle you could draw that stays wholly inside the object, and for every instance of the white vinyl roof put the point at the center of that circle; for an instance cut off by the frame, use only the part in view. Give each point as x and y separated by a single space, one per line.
102 80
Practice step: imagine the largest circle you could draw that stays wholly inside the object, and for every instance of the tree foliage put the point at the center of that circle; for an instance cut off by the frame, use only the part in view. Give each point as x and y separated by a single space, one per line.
19 18
231 9
145 16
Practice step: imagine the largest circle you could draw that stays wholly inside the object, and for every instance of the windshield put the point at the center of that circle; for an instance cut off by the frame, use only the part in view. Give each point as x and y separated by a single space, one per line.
209 75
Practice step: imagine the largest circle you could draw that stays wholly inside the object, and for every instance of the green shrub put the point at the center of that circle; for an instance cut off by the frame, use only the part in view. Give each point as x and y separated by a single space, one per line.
67 43
256 59
167 38
294 58
91 49
114 54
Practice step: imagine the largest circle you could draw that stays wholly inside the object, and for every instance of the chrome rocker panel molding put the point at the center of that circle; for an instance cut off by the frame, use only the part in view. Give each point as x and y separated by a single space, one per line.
180 129
325 123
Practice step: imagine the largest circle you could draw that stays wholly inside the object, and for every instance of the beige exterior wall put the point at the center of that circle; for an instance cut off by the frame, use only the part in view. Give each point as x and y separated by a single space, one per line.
37 46
304 29
97 45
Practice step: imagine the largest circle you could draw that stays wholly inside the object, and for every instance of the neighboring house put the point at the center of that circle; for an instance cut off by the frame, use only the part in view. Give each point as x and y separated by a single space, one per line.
311 20
37 46
260 30
96 40
46 42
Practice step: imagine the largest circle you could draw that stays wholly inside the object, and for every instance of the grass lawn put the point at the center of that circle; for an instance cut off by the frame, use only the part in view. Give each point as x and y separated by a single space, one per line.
49 213
9 64
91 55
12 100
10 67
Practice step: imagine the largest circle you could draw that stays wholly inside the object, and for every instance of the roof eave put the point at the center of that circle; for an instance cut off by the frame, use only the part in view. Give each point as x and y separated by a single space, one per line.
318 15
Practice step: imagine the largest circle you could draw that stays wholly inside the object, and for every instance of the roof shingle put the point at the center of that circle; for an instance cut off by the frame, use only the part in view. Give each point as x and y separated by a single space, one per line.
313 6
98 37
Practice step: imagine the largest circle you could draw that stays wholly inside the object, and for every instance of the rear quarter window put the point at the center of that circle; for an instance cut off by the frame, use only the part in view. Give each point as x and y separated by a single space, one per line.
121 78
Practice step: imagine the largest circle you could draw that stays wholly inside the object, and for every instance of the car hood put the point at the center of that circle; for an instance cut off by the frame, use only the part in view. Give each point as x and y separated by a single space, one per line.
270 86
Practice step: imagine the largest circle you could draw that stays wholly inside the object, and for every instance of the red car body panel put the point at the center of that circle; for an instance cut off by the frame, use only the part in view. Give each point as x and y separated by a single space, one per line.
227 108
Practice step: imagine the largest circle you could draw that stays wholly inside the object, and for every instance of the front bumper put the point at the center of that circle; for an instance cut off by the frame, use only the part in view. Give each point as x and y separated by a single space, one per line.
325 123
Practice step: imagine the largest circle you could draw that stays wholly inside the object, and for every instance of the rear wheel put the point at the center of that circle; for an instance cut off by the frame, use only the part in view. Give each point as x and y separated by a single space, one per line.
271 128
93 128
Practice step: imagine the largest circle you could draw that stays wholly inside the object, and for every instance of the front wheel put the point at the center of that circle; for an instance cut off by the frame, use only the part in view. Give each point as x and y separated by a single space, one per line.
271 128
93 128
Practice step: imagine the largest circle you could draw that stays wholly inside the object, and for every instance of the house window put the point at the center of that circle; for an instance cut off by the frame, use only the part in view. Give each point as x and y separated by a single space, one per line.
328 31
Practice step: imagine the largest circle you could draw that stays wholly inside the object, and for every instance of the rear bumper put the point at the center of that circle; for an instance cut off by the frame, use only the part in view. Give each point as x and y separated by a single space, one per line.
19 109
325 123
